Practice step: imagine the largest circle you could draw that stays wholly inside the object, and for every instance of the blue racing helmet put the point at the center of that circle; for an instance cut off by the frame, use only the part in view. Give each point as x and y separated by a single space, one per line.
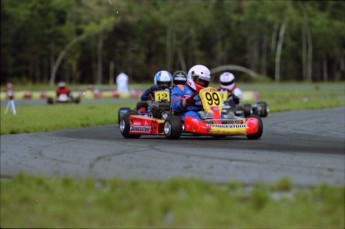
163 79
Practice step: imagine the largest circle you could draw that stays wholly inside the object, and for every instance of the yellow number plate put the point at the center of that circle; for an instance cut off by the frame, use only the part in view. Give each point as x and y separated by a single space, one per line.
224 95
210 97
162 95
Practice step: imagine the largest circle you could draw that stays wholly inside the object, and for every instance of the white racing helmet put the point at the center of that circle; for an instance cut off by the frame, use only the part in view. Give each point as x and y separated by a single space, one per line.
227 80
163 79
199 76
62 84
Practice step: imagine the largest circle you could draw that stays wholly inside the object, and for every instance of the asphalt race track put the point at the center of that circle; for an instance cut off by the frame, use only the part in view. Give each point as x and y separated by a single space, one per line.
306 146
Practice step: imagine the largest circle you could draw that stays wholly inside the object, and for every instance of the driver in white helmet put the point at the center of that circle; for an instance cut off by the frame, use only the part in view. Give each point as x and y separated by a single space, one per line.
62 89
228 85
184 98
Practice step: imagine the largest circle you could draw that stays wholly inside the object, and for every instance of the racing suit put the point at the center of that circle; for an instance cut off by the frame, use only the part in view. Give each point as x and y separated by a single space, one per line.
62 91
234 93
148 93
179 93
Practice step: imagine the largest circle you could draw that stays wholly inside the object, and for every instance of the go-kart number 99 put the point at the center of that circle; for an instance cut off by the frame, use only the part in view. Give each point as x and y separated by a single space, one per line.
162 95
212 98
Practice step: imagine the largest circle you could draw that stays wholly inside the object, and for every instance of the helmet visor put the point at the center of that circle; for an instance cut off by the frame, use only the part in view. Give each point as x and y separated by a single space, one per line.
201 82
163 84
227 83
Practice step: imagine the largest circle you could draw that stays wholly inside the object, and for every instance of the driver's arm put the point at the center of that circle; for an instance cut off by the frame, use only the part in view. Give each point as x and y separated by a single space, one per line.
146 94
177 100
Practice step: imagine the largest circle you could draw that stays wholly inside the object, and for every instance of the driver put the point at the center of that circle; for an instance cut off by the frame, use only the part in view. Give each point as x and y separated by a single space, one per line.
228 85
62 90
184 98
162 81
179 77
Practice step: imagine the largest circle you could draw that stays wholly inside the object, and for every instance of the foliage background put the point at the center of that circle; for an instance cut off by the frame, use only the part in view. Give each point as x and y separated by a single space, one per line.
97 39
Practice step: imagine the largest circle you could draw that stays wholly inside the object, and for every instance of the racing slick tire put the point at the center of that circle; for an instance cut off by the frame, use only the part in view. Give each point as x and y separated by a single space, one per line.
50 100
258 134
263 110
125 125
121 112
173 127
247 110
77 100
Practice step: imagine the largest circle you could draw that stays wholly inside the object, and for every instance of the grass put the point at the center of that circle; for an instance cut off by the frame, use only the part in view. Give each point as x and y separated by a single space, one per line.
282 97
48 118
38 202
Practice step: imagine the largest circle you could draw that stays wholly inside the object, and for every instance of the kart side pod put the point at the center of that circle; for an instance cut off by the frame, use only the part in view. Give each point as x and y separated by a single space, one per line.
254 127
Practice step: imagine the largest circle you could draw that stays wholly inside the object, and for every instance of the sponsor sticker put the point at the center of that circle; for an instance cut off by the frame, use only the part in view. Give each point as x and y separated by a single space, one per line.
228 125
140 129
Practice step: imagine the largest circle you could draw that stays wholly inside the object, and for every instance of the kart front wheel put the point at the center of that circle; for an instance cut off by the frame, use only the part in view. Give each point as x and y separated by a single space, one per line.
121 112
125 125
172 127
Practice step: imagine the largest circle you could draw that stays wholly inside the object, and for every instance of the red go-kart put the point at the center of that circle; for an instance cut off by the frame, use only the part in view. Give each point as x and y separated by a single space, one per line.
212 124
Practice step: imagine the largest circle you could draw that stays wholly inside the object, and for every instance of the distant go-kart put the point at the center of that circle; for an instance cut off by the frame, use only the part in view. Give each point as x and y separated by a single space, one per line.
133 125
260 108
63 98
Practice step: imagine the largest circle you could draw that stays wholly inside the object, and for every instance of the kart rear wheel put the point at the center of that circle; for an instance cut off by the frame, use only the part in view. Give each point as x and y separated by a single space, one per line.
263 109
121 112
258 134
77 100
247 110
125 125
50 100
173 127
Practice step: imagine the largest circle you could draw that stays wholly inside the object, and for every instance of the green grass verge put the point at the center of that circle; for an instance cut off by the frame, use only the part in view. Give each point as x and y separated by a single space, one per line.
282 97
36 202
57 117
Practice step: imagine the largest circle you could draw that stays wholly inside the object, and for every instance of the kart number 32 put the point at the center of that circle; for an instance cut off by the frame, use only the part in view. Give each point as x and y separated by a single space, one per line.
162 95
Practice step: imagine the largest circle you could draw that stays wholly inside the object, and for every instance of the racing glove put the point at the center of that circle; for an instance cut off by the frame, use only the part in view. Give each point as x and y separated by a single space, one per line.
188 102
235 99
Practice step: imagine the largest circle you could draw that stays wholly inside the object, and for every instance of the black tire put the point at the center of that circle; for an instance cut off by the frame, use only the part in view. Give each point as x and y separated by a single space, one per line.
258 134
125 125
121 112
77 100
50 100
247 110
173 127
264 109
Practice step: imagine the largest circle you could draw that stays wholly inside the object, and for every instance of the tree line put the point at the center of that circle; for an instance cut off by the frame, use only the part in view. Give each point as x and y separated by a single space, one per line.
91 41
